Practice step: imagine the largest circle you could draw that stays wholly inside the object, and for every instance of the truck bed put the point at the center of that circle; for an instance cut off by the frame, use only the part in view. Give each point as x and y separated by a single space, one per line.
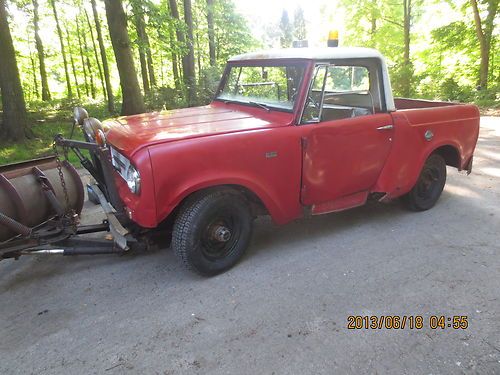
405 103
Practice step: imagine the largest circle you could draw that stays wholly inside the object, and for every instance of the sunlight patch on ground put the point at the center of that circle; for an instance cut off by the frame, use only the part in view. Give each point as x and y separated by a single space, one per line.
491 123
495 172
462 191
489 154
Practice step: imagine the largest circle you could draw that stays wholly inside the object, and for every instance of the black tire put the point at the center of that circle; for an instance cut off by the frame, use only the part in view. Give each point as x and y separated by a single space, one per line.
430 184
212 232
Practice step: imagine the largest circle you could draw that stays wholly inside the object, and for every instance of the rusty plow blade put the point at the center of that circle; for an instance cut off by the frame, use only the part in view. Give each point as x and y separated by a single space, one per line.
40 201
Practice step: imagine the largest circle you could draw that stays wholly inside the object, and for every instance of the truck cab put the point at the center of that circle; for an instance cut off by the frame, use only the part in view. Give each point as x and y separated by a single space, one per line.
290 133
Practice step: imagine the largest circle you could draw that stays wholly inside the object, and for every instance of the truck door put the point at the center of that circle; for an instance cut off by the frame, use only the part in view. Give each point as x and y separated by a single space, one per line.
347 137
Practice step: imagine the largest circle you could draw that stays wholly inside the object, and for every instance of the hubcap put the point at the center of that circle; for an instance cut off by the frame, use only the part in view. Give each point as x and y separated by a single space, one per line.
222 234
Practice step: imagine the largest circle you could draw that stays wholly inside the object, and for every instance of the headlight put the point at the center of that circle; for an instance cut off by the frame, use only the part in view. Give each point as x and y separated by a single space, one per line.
133 179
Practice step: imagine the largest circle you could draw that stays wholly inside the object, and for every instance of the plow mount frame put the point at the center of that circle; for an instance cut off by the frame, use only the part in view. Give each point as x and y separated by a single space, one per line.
61 234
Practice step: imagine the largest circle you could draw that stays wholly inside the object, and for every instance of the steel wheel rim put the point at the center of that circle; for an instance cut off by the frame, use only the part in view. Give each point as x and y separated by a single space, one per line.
220 236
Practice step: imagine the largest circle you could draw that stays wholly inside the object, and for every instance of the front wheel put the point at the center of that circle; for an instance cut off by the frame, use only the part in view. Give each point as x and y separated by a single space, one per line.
212 232
429 186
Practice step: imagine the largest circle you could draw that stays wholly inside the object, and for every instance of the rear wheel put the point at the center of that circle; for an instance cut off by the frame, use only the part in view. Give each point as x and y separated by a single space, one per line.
212 232
429 186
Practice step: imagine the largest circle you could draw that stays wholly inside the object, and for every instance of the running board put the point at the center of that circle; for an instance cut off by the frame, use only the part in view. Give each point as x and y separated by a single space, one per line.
340 204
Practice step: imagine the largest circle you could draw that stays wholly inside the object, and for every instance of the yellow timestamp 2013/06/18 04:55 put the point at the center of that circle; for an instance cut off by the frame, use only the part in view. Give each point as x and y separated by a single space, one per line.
456 322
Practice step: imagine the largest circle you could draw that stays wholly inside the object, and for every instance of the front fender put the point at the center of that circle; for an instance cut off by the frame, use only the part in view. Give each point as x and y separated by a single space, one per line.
184 167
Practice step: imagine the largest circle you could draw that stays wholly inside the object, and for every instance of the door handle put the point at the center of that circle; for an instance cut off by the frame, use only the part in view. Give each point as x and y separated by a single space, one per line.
386 127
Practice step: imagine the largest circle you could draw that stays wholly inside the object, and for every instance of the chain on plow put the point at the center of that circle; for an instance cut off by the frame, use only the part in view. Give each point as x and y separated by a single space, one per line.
69 213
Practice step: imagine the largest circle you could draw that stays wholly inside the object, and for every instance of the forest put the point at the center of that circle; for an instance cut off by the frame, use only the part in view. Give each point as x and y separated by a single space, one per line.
120 57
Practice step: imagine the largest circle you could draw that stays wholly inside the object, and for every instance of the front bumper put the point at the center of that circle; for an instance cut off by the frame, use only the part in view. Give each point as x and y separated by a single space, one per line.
121 235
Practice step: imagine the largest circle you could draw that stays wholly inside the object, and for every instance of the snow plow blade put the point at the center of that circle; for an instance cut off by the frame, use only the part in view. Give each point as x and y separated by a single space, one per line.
32 193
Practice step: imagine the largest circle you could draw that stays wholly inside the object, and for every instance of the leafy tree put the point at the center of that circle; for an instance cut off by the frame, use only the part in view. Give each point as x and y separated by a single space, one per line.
299 24
484 31
96 56
104 58
133 101
15 119
63 50
211 32
188 59
41 53
286 29
142 42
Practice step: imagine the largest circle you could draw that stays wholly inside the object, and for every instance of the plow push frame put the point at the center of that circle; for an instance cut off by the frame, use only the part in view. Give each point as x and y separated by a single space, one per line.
62 233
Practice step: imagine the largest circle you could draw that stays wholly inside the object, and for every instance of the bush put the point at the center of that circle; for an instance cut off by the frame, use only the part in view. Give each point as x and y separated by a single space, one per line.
451 90
209 82
163 98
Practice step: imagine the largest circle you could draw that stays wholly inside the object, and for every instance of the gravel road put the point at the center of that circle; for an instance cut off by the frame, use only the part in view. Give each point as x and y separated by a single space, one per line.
284 308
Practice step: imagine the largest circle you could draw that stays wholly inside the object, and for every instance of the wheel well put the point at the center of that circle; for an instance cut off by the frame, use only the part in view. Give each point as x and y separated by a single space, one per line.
450 155
256 205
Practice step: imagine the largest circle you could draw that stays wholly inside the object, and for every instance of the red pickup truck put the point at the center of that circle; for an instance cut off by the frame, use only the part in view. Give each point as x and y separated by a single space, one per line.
290 133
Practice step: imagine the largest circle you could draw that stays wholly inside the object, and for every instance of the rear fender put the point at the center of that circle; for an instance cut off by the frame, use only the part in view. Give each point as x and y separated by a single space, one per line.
408 156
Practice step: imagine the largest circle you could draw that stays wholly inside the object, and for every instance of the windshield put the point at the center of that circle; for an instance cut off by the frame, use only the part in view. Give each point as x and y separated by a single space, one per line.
269 85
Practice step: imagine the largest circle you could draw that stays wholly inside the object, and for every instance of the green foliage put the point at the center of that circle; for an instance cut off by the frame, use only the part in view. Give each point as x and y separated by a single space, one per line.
299 24
452 91
286 29
445 61
209 82
40 145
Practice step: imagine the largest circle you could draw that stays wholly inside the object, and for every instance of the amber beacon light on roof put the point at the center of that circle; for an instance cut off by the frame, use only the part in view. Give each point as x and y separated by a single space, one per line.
333 38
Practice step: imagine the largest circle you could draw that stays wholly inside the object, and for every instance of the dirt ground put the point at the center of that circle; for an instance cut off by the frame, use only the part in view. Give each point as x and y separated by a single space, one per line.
284 309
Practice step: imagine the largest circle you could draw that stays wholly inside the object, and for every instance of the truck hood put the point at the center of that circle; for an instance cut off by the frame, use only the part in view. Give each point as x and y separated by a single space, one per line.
130 133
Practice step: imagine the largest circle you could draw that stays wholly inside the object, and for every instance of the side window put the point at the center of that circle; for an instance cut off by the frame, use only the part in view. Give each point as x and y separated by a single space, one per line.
338 92
312 110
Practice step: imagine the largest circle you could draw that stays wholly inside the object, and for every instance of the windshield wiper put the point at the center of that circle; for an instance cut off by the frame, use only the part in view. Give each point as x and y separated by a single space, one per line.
255 104
267 108
228 101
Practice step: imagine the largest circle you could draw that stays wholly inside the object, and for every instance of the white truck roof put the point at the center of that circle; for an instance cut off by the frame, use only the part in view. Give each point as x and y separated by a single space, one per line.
326 53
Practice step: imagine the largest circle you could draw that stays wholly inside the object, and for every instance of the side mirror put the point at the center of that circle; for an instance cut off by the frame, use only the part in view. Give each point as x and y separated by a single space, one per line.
80 114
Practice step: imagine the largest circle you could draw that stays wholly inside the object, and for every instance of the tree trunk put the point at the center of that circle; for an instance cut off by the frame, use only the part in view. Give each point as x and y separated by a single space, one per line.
141 43
33 72
133 102
407 66
82 56
73 67
151 70
198 56
175 71
15 118
63 51
484 34
41 54
105 66
189 63
211 32
96 54
174 12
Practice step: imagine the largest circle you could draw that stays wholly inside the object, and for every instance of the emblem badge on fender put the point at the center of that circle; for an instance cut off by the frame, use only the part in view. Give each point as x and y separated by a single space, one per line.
429 135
